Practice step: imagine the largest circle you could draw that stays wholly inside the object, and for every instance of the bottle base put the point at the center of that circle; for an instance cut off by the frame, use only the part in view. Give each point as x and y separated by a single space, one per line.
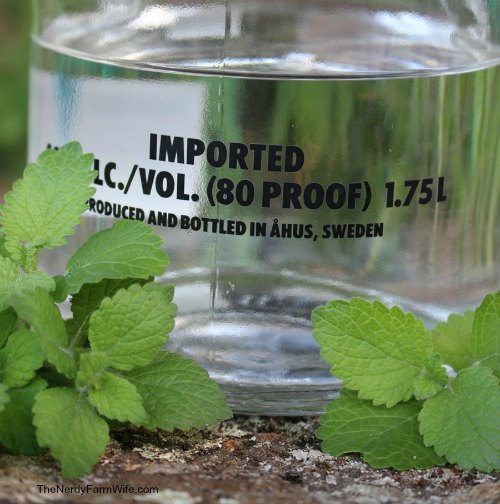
266 366
259 347
279 400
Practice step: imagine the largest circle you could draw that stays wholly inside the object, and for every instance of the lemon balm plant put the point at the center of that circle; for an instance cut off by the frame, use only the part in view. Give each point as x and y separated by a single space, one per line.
62 381
399 407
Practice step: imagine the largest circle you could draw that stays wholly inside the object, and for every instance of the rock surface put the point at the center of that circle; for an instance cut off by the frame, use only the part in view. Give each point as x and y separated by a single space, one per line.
244 461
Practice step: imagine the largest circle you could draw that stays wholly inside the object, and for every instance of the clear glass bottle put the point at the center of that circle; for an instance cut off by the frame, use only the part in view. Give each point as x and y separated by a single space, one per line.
290 153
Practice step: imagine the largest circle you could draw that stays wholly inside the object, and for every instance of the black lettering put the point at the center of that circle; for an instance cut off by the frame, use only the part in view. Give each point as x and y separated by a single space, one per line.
294 158
195 148
335 196
116 210
291 194
270 190
181 184
237 154
147 180
257 150
153 146
174 150
139 214
165 184
286 230
97 181
378 229
195 223
157 222
274 158
338 230
360 230
245 193
354 194
107 175
216 154
314 195
258 229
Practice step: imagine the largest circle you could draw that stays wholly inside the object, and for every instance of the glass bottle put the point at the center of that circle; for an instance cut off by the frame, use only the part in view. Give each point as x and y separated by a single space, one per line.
289 153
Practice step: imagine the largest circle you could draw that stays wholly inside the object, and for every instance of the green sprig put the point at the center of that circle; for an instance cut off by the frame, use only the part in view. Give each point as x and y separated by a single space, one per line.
400 408
107 362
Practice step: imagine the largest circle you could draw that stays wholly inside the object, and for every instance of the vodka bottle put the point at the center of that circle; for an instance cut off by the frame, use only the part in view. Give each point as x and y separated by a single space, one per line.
289 153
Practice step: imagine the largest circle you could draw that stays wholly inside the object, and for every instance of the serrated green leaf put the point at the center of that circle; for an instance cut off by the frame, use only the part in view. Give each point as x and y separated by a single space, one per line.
486 333
17 432
130 249
387 437
8 319
4 396
432 378
45 205
88 300
61 292
178 393
132 326
38 309
462 422
67 424
20 358
452 339
377 351
91 365
12 281
117 399
3 251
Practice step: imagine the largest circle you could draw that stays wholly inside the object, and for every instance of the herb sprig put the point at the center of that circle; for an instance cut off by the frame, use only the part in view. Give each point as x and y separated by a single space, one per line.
62 381
399 407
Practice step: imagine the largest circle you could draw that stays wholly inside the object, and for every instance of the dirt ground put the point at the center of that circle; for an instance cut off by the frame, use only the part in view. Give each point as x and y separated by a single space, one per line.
242 461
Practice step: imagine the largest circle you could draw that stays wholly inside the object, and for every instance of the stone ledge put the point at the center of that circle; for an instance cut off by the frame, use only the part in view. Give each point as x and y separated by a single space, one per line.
243 461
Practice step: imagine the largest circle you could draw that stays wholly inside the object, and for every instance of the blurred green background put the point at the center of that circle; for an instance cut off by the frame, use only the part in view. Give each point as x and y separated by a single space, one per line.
14 75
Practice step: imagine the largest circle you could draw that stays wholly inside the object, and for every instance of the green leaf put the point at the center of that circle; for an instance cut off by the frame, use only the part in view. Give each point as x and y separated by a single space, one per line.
131 327
4 396
88 300
38 309
12 281
20 358
113 396
8 319
387 437
3 251
46 204
462 422
128 249
92 364
117 399
486 333
452 339
432 378
178 393
60 293
67 424
378 351
17 432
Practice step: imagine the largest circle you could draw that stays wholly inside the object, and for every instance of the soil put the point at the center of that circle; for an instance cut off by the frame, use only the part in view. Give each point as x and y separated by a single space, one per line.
242 461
